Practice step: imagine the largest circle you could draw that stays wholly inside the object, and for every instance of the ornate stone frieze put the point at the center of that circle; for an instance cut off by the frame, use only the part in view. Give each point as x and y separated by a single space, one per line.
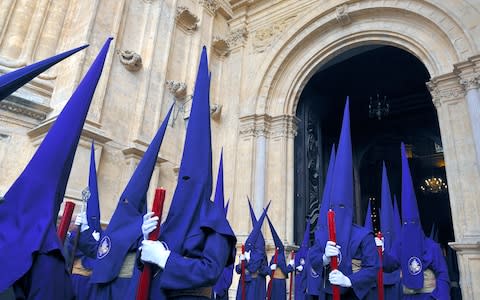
443 91
270 127
210 5
177 89
266 36
283 126
342 14
221 46
131 60
472 82
186 19
24 107
237 38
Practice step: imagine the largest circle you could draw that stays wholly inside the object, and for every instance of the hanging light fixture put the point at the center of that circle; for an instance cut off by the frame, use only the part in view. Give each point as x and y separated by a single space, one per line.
433 185
378 108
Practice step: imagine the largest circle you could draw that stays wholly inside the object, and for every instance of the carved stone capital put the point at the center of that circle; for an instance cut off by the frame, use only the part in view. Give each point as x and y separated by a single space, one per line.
177 89
255 126
472 82
186 19
131 60
221 46
237 38
210 5
342 14
284 126
445 88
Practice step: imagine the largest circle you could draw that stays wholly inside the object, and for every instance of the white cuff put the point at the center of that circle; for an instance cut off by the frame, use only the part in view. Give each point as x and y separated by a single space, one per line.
162 258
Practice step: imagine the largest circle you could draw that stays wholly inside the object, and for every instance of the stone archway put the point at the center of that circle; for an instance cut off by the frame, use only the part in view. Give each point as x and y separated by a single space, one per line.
420 28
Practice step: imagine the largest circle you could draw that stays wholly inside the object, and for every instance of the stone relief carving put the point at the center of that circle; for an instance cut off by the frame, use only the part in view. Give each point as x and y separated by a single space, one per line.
237 37
211 5
266 36
440 95
177 89
342 15
221 46
186 19
215 111
131 60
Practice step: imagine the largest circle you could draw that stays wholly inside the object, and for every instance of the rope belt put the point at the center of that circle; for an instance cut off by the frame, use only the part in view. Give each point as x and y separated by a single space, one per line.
79 269
126 270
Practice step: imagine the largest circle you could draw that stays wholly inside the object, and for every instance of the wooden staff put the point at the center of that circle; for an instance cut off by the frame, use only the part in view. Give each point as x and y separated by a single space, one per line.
380 271
65 221
270 283
85 197
143 290
332 236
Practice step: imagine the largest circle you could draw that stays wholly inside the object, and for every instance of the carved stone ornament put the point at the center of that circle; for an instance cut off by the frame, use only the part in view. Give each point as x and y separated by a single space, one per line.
186 19
237 37
177 89
131 60
215 111
221 46
447 94
211 5
266 36
342 15
470 83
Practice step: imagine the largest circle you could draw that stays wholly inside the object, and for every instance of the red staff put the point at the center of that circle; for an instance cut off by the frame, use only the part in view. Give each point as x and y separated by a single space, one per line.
292 255
143 289
270 283
380 271
243 272
332 236
65 221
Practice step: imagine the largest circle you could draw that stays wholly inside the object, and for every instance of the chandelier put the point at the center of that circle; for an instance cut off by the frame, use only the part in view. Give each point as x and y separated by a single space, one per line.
433 185
378 108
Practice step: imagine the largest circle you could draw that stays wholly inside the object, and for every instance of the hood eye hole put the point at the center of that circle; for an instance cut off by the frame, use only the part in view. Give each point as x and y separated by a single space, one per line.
186 178
342 206
125 201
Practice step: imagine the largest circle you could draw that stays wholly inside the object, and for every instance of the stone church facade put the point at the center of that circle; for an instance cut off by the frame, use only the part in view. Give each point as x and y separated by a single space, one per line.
261 55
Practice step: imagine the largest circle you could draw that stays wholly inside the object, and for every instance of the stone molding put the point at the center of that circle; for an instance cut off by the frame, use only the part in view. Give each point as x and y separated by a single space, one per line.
210 5
186 19
283 126
26 108
136 153
470 83
131 60
177 89
446 89
342 15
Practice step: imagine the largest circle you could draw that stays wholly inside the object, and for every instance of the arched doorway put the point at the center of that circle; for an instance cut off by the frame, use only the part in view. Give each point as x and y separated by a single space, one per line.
399 79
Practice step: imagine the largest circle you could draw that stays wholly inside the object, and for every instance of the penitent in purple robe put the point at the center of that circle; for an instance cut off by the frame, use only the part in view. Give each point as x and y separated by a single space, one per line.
256 271
362 247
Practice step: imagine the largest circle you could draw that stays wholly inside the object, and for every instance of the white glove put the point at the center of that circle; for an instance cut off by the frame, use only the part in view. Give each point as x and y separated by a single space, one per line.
96 235
273 267
247 255
292 262
242 257
149 224
379 243
331 249
81 220
154 252
299 268
337 278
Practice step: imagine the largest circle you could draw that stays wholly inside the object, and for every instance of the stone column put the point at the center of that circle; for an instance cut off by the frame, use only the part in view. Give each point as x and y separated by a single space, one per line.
260 171
462 174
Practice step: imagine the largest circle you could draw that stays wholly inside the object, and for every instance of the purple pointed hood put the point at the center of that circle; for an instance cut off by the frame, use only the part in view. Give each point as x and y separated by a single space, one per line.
14 80
412 233
368 217
386 213
325 205
302 252
29 213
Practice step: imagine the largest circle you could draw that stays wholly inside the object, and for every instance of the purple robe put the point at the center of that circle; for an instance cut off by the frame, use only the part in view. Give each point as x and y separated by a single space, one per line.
46 279
434 260
279 285
256 270
362 246
220 290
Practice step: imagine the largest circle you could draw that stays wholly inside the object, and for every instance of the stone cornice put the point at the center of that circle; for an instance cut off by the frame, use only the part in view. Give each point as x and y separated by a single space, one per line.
19 105
137 151
445 89
466 248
